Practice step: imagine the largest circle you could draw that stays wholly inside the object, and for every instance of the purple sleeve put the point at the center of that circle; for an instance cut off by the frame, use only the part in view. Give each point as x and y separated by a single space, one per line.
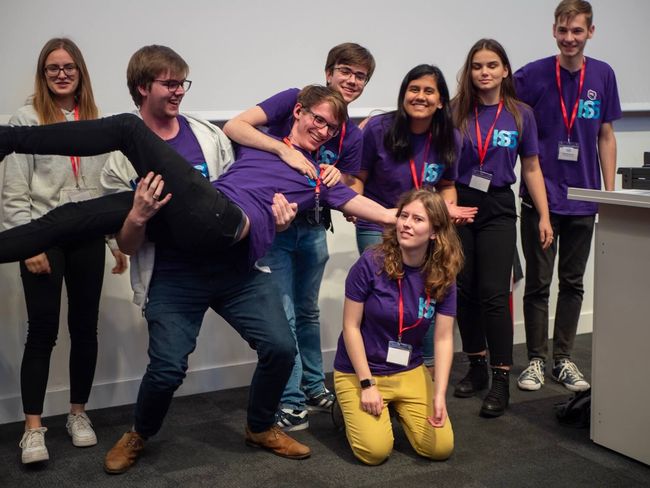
358 284
447 306
369 151
612 109
350 162
520 85
280 106
529 145
338 195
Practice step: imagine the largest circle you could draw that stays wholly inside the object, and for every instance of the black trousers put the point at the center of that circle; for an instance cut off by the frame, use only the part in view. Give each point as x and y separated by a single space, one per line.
484 317
81 265
198 219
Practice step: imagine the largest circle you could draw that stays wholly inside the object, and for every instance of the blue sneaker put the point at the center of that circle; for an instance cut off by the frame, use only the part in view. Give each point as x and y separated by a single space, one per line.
291 420
567 373
323 402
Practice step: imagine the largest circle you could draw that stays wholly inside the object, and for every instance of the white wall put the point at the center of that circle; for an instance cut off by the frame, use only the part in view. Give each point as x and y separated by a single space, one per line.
210 31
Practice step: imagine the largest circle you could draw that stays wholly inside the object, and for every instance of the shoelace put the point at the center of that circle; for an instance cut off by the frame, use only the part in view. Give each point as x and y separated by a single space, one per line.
534 371
80 422
34 437
571 371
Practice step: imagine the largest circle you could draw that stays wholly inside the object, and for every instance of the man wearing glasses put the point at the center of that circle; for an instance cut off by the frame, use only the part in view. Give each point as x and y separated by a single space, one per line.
156 77
298 256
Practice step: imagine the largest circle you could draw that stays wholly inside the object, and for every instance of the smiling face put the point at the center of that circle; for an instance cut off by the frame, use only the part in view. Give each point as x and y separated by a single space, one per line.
305 132
157 101
63 86
488 71
572 34
414 229
347 79
422 99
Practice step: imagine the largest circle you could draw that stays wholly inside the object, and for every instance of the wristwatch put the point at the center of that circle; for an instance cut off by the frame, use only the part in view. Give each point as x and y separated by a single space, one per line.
367 383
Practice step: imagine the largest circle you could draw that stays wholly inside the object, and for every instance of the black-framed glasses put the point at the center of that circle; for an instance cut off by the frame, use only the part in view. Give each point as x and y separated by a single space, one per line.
53 70
173 85
346 72
320 122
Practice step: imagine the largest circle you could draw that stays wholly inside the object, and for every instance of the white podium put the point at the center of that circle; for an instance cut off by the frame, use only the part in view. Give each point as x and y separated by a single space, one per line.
620 401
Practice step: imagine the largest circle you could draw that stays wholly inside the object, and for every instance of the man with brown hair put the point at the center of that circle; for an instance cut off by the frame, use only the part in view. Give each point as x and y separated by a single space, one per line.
575 100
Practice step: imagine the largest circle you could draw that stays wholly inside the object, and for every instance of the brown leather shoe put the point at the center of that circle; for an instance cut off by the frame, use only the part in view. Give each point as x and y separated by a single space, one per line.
276 441
124 453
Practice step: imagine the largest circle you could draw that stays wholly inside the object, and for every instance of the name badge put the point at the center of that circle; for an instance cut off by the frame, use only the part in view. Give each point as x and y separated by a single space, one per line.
480 180
568 151
399 353
77 194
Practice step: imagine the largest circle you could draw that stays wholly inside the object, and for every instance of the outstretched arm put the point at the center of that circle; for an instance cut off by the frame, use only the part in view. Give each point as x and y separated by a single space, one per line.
363 207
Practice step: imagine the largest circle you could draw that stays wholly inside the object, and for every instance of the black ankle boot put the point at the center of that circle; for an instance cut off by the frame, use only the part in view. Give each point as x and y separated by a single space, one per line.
497 399
476 378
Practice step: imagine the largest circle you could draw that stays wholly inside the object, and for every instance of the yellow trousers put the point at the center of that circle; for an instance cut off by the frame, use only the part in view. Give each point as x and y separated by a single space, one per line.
411 395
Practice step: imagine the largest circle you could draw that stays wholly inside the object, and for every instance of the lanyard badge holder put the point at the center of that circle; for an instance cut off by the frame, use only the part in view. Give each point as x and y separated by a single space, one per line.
76 193
398 352
567 150
480 179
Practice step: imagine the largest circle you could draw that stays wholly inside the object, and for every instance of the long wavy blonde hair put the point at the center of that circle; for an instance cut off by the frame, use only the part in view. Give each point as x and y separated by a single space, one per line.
44 103
444 257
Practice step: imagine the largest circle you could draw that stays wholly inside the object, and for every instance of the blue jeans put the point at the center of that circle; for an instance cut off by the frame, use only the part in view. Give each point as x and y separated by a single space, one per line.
297 260
367 238
181 291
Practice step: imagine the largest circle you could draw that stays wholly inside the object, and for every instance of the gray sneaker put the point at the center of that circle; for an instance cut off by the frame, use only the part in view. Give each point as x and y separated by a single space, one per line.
81 430
532 378
567 373
33 446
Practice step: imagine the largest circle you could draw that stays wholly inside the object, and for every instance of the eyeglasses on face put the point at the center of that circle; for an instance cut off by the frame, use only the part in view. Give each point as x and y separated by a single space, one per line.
320 122
53 70
173 85
346 72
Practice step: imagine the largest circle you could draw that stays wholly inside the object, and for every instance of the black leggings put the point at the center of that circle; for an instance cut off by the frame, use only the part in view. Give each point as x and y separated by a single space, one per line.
198 218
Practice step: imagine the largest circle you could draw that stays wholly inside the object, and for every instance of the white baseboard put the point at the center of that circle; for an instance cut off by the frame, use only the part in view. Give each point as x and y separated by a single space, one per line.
124 392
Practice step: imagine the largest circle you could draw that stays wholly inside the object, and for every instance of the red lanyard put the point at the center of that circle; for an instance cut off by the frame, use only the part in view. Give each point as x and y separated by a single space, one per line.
482 149
75 161
569 123
403 329
417 184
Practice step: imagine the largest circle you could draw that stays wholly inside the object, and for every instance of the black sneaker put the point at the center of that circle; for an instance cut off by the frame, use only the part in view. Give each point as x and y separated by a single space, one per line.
290 420
323 402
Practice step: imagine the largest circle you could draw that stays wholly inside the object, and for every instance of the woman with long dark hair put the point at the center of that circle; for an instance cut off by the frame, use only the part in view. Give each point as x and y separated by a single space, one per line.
496 129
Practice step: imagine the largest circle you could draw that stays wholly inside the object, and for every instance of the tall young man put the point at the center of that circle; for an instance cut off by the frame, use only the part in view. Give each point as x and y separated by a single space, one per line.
575 99
298 256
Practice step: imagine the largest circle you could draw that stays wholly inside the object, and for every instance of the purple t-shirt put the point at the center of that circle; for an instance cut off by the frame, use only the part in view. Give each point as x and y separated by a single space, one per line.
279 114
387 178
187 145
503 147
598 103
256 176
380 323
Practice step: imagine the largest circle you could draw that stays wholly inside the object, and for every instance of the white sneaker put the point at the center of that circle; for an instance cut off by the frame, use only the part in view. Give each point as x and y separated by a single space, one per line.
33 446
81 430
532 378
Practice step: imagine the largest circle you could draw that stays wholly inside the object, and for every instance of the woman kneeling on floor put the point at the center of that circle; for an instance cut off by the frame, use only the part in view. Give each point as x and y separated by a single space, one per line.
393 293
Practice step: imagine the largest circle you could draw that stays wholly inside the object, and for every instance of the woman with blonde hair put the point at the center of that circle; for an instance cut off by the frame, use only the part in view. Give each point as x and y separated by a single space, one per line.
33 185
393 293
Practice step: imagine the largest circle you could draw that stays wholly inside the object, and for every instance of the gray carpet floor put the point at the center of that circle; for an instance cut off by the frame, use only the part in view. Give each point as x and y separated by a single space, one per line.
202 444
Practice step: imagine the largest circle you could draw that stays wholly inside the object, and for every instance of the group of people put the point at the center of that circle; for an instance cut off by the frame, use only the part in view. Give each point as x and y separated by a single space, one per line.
428 186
